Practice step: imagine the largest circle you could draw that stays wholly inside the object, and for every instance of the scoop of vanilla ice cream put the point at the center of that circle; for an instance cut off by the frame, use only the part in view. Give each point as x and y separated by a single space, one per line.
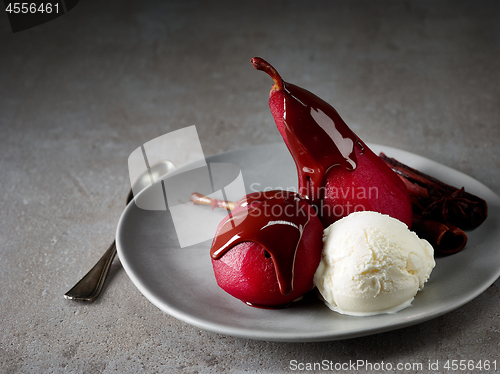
372 264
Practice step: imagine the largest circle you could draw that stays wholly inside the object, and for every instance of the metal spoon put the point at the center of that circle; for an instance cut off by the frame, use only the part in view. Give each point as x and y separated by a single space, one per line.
90 286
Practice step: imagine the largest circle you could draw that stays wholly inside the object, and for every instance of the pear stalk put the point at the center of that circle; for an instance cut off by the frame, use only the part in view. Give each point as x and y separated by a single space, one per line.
200 199
262 65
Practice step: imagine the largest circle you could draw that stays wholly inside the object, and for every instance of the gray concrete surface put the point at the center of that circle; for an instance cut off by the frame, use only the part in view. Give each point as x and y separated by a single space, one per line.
80 93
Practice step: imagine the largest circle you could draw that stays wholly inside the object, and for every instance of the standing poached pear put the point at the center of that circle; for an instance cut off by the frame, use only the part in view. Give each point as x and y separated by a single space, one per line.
337 172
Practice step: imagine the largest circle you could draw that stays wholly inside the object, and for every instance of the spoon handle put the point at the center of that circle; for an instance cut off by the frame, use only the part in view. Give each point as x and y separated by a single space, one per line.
90 286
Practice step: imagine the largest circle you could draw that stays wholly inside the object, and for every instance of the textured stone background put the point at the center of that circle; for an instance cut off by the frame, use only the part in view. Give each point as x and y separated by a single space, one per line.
80 93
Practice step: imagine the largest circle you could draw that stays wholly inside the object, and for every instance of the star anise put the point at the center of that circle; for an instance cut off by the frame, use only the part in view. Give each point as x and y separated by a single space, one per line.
443 203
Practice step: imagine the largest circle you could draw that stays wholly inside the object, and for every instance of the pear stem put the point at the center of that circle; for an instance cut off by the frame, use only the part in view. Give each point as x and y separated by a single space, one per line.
261 64
200 199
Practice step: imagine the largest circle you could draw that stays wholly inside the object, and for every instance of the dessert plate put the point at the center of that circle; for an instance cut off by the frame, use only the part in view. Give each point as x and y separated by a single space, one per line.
181 283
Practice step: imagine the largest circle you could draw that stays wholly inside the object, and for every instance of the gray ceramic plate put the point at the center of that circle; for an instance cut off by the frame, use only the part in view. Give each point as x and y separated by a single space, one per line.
181 283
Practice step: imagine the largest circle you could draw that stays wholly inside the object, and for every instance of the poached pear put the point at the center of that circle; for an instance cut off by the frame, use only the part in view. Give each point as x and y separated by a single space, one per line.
266 251
337 172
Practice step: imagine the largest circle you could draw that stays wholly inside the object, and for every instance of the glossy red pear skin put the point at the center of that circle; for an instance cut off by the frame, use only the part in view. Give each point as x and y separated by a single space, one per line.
247 273
364 189
276 104
370 186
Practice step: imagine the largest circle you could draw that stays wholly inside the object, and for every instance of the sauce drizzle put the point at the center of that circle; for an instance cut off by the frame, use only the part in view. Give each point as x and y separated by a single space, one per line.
318 139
